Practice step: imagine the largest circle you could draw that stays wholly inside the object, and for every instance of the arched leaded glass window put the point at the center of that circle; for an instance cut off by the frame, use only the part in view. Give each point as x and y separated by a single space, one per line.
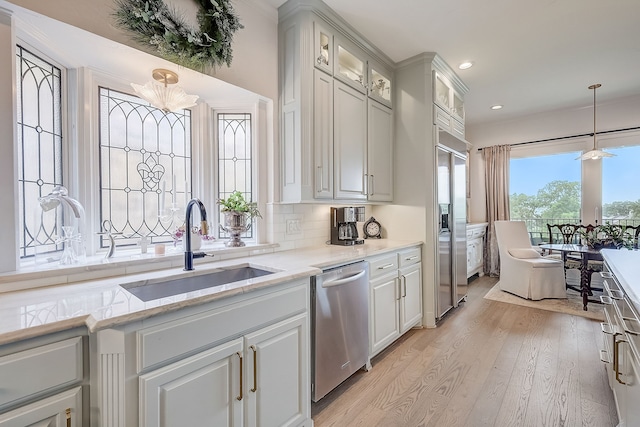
145 167
234 158
39 126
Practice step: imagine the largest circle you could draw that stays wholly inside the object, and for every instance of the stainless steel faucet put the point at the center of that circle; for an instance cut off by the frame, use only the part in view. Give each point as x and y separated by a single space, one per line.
188 254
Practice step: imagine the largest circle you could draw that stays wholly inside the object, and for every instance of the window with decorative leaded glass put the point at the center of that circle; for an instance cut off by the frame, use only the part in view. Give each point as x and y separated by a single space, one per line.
234 159
39 126
145 168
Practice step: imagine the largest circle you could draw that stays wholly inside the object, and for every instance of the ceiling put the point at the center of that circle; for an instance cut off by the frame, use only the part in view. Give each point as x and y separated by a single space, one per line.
530 56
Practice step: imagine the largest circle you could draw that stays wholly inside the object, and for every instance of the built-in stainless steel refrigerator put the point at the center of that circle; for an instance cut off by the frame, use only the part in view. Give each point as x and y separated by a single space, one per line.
452 219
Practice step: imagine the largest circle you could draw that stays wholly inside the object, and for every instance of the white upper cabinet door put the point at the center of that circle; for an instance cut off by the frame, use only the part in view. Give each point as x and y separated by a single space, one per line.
323 135
350 142
380 153
380 83
350 65
322 48
278 362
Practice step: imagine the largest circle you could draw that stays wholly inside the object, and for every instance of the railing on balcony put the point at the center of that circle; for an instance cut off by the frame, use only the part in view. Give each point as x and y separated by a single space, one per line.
539 233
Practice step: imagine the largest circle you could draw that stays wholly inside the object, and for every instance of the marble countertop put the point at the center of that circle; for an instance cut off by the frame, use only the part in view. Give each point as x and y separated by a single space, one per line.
625 265
103 303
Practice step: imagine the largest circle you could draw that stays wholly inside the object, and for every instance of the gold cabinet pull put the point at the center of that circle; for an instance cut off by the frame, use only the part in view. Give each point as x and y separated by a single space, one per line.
255 368
240 356
616 362
68 414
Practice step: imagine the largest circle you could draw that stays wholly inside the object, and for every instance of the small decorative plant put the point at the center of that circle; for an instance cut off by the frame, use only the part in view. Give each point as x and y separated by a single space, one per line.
607 236
236 203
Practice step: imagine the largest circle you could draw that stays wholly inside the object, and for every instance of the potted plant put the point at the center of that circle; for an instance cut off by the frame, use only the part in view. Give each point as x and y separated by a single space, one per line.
238 216
607 236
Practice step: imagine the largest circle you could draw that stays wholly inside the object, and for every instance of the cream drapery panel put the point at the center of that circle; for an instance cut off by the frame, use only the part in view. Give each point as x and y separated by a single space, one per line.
496 161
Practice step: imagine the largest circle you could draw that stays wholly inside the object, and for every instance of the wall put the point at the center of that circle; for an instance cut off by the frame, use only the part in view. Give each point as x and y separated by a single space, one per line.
617 114
255 48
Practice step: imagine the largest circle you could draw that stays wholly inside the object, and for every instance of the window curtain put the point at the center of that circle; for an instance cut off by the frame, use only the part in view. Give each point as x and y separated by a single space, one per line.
496 161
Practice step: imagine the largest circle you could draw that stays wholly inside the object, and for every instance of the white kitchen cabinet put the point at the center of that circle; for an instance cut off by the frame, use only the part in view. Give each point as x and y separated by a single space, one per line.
447 97
258 380
410 281
61 410
323 47
323 135
621 342
384 327
449 113
475 248
350 142
277 380
202 390
40 382
380 153
380 83
395 297
327 137
242 360
351 65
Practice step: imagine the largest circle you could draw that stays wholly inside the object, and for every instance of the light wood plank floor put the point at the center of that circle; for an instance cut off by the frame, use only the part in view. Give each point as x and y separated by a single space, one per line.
486 364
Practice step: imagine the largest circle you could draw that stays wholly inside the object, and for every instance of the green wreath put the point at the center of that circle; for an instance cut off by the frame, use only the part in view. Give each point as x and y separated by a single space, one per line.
154 24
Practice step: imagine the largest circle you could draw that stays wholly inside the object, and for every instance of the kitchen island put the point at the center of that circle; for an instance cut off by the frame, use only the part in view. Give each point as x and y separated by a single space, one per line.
621 330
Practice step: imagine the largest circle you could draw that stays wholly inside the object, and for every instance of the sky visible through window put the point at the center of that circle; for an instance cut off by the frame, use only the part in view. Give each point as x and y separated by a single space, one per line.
620 174
528 175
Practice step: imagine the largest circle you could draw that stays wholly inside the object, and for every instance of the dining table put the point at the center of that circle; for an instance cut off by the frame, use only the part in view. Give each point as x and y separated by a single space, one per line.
587 254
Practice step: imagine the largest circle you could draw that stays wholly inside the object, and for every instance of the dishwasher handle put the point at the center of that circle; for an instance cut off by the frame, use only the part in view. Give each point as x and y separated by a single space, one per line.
342 281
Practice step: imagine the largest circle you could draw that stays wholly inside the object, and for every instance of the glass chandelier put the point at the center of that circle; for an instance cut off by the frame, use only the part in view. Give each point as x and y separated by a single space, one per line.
165 97
594 154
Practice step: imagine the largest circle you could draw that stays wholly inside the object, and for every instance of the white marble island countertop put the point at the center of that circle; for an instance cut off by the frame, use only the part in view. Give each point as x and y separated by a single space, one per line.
625 265
103 303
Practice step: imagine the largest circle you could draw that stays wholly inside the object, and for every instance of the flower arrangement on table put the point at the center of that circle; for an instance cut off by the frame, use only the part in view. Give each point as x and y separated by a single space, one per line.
607 235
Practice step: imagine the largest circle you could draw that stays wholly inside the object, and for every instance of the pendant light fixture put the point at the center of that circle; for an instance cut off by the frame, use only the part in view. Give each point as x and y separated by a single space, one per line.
594 154
165 97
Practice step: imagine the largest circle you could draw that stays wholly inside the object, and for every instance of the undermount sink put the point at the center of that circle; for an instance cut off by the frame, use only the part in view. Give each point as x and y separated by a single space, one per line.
148 290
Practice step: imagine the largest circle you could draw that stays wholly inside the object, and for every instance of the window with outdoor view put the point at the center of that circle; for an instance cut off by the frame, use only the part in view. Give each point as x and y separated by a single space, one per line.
620 194
545 190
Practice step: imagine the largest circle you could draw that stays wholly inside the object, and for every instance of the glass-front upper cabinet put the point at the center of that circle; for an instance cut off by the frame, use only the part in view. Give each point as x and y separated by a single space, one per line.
457 110
323 48
379 84
350 66
442 92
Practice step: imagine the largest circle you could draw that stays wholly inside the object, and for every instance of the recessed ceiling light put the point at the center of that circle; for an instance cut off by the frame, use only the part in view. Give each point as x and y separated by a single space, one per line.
496 107
465 65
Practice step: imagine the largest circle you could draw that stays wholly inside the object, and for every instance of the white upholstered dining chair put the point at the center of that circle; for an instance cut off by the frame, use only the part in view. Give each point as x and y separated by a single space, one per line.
523 271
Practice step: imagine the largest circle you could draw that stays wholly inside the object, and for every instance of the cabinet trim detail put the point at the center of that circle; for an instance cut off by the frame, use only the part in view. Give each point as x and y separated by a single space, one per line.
112 377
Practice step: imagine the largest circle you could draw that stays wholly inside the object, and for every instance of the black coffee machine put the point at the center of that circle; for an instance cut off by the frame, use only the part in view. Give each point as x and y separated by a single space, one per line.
343 225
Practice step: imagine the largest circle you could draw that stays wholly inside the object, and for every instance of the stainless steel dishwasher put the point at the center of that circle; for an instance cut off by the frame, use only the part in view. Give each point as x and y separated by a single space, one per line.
340 328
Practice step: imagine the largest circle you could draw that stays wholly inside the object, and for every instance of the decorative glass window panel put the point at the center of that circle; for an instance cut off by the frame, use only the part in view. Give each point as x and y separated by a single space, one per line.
234 158
145 168
39 126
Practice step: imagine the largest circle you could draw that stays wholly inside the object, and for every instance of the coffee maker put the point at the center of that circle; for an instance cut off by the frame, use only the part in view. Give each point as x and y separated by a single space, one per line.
343 225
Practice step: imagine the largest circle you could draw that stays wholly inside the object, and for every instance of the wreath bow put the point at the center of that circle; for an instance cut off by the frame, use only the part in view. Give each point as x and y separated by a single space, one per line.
153 24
